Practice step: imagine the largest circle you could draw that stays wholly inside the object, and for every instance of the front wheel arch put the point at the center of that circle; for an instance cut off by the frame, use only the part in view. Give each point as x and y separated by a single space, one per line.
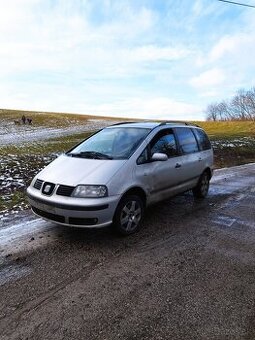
137 191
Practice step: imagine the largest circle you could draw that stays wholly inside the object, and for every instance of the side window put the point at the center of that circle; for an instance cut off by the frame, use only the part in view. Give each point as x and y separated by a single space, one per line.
187 140
202 138
164 143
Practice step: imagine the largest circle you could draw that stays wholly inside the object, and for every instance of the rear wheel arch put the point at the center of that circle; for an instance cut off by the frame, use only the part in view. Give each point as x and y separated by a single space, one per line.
209 172
202 187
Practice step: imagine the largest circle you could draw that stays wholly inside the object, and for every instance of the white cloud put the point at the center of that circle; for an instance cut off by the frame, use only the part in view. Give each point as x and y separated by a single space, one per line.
232 45
147 108
64 40
14 13
119 57
208 78
154 53
59 99
202 8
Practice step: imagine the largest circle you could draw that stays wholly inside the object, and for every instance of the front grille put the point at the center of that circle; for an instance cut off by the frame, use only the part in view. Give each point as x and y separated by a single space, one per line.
50 216
38 184
65 190
82 221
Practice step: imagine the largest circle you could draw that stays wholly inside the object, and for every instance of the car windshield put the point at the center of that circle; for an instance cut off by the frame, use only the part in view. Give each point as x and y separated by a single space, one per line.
111 143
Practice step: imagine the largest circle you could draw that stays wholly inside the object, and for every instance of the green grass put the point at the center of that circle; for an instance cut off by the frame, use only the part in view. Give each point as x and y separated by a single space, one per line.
234 142
229 129
49 119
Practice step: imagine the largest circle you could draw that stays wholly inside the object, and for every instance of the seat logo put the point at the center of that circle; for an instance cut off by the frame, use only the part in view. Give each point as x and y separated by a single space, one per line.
48 188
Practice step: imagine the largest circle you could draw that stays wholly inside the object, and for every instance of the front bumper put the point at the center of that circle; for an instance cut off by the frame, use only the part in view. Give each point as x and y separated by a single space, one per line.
71 211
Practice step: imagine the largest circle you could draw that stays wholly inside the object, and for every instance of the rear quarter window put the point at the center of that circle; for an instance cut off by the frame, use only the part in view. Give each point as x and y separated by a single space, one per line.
203 140
187 141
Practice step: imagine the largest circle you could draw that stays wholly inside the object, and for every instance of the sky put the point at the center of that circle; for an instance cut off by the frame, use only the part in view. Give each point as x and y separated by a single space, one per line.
151 59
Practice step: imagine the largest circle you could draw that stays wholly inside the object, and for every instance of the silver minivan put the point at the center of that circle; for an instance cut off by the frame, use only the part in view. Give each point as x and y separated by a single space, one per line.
112 176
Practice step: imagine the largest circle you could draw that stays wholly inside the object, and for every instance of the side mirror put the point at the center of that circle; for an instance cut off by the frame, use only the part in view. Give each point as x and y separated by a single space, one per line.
159 157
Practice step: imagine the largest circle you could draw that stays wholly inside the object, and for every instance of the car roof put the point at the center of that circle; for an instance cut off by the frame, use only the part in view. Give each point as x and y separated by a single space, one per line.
151 125
148 125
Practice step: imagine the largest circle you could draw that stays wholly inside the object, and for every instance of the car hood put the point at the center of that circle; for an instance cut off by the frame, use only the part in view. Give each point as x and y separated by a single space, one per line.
73 171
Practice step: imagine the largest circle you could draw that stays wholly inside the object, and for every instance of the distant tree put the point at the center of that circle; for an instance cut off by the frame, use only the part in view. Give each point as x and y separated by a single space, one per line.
212 112
217 111
251 103
240 107
223 110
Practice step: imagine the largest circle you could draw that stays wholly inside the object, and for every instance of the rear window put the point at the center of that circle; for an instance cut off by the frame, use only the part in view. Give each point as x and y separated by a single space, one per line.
187 141
203 140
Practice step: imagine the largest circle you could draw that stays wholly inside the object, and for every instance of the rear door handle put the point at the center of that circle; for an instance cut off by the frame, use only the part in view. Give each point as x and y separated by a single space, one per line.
177 165
199 159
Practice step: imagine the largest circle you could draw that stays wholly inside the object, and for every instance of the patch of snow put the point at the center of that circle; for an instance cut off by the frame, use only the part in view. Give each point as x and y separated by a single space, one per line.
18 134
238 142
13 273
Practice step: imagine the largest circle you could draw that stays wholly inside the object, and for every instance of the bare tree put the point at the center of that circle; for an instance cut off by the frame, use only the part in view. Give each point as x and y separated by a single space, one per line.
211 112
217 111
240 107
251 103
223 110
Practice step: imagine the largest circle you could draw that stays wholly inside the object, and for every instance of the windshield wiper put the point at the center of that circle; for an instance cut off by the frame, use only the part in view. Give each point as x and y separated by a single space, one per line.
90 154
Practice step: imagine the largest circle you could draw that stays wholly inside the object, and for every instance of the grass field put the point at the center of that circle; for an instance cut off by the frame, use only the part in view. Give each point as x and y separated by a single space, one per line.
54 133
228 129
233 142
48 118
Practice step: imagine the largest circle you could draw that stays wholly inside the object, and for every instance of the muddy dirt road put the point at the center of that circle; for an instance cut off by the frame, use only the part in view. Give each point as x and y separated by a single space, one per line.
188 274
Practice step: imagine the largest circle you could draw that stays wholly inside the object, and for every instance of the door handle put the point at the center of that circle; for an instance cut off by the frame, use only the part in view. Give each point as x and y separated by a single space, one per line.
199 159
177 165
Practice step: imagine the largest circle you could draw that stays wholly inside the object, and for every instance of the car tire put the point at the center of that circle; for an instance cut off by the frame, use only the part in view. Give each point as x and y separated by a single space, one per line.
201 190
128 215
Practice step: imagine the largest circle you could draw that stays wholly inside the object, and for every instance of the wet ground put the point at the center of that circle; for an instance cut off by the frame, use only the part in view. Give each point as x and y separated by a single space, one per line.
188 274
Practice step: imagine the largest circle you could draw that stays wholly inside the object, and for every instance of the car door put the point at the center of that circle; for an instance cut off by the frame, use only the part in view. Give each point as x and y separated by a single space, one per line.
159 178
191 167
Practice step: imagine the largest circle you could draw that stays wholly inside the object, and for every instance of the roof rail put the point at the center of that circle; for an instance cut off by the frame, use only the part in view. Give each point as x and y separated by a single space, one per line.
178 122
121 123
159 124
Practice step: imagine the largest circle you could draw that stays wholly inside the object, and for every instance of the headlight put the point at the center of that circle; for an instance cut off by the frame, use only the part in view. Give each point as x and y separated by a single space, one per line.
83 191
